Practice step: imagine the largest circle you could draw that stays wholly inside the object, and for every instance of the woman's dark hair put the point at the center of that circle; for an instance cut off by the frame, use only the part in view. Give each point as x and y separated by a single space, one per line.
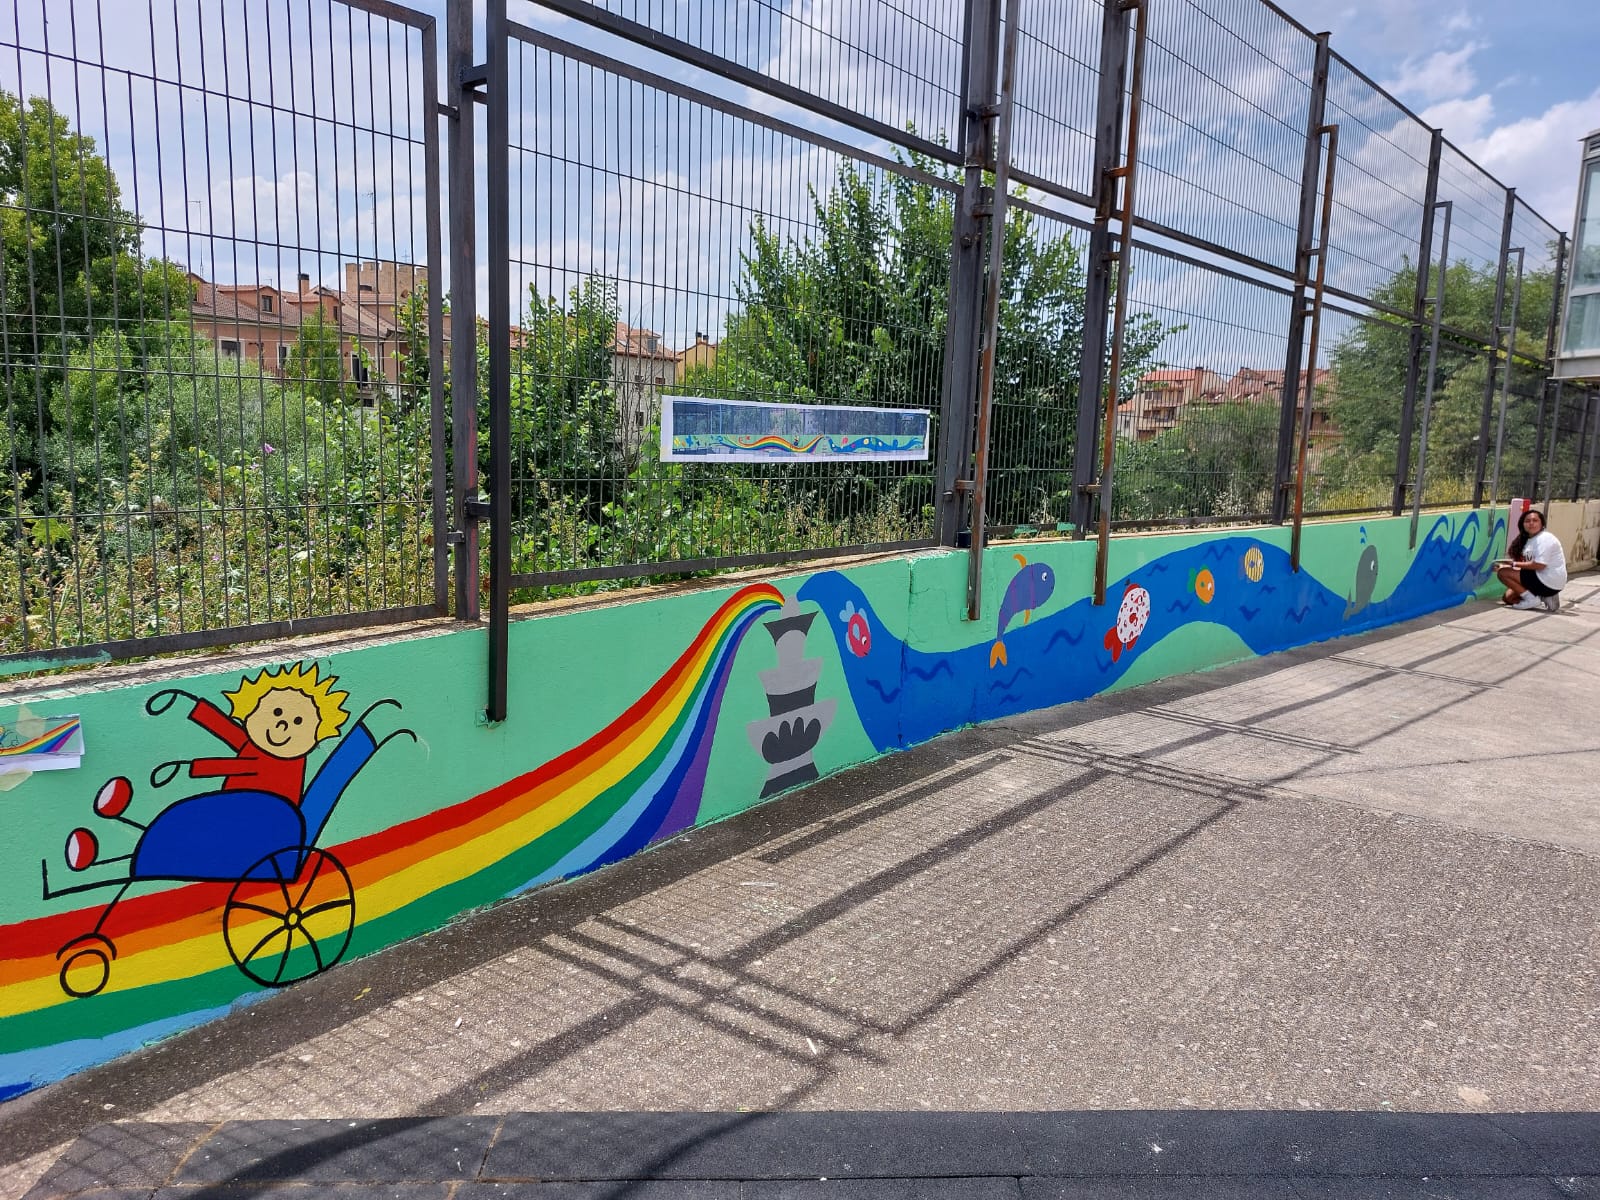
1521 541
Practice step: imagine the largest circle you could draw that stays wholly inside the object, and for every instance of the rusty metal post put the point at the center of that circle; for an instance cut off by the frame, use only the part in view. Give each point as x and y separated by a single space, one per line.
1097 287
1128 174
1433 367
1308 403
1494 349
1408 406
960 384
1505 387
1310 170
991 310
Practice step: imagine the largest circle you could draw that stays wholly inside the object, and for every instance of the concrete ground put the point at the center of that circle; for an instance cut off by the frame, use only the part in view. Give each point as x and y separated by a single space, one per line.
1356 878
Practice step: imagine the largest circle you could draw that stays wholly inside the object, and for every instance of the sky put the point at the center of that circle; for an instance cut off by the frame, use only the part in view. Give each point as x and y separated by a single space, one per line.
1515 85
263 138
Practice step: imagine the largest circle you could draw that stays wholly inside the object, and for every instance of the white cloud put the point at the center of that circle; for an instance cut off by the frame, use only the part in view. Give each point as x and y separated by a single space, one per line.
1442 75
1539 155
1462 120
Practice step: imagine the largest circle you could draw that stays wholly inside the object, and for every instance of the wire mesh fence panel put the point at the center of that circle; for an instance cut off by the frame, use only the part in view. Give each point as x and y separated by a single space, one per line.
1454 422
1378 196
1518 460
1038 345
1352 464
896 63
1477 218
1200 396
664 248
1057 75
1541 246
213 331
1562 457
1222 139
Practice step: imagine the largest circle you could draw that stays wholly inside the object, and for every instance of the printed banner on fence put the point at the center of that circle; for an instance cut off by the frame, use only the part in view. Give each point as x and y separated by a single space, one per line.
30 743
697 429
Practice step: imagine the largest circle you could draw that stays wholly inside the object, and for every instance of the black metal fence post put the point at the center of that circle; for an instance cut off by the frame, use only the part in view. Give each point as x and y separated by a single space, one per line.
435 252
496 78
1408 405
1553 387
959 386
993 284
462 112
1113 78
1310 178
1482 463
1578 447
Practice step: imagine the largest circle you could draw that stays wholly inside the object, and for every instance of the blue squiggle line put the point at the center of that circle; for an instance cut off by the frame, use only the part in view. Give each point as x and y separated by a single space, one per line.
887 696
1180 606
1249 614
941 666
1021 673
1061 635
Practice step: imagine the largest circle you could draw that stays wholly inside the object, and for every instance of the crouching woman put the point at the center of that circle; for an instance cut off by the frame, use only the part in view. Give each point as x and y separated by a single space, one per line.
1538 569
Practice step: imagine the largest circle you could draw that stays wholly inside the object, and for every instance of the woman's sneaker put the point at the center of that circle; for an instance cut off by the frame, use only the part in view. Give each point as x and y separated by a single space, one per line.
1529 600
1553 603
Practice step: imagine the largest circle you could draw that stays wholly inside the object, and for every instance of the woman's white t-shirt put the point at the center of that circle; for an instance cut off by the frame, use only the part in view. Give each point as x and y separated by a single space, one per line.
1544 547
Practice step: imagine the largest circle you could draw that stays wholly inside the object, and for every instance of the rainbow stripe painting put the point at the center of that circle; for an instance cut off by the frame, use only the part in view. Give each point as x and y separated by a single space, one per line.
41 744
639 779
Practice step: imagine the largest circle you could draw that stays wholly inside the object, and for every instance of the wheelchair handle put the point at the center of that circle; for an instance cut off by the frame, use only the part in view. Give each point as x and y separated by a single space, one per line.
165 698
166 772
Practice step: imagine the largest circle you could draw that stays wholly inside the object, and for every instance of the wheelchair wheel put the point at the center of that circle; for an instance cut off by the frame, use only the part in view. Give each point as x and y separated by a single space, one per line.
86 964
282 925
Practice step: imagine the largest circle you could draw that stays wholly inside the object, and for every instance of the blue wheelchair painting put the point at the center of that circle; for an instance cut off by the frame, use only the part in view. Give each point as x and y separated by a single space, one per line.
257 831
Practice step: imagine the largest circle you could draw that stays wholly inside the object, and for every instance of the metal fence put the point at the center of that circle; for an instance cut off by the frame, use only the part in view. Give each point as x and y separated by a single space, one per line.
1146 264
221 421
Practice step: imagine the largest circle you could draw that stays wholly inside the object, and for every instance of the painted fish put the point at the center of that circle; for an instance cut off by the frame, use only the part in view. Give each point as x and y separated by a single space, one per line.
857 633
1366 581
1132 615
1029 589
1204 584
1254 564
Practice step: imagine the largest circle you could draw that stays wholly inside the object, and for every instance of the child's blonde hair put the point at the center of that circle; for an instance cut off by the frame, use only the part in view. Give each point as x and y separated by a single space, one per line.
302 678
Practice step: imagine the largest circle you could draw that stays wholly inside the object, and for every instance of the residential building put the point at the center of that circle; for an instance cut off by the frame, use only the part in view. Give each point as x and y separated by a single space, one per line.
702 355
1160 398
261 323
641 367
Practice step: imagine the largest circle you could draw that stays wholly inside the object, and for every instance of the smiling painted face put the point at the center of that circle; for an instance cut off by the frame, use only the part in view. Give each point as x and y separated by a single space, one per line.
284 724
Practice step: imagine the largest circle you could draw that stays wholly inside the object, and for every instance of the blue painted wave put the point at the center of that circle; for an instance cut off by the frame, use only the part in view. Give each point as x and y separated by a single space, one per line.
904 696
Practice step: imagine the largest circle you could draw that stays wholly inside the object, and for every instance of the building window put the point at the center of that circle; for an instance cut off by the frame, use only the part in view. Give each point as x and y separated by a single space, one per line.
358 369
266 304
229 349
283 354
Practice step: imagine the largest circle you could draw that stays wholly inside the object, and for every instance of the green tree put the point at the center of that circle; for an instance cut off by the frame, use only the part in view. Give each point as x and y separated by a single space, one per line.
856 313
566 431
1370 366
64 235
315 365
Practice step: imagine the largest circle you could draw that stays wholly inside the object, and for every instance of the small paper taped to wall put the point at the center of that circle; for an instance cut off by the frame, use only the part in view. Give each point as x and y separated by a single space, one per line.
30 743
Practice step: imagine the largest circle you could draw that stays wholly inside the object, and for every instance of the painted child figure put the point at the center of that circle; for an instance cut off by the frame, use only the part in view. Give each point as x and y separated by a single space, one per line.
277 720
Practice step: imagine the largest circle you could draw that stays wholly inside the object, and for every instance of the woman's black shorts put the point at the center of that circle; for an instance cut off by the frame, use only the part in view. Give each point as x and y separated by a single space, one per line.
1530 580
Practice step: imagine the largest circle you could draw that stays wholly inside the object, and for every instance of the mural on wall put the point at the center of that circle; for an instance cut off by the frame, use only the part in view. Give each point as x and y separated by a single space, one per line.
31 743
1366 578
261 895
291 907
904 695
796 720
1030 588
239 886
